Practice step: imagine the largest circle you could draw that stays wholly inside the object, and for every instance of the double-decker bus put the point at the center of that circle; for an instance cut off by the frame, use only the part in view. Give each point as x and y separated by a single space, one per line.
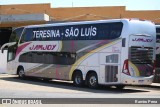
114 52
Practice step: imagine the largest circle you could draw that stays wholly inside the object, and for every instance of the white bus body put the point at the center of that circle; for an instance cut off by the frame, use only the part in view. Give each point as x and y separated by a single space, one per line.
3 63
108 52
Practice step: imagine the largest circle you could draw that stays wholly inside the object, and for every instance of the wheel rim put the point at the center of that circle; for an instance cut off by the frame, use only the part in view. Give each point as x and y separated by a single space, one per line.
78 80
21 73
93 81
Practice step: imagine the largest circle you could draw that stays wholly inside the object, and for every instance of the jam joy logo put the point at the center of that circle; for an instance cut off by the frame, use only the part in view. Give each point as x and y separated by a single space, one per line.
142 40
42 47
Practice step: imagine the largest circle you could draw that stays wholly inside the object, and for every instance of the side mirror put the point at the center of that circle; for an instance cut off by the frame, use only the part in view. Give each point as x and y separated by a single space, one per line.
7 44
2 48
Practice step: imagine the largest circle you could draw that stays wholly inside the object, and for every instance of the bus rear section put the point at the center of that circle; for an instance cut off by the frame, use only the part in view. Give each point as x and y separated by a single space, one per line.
139 68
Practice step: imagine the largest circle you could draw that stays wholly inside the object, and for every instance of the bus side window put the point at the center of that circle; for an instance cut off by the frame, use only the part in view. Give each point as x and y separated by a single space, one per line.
63 58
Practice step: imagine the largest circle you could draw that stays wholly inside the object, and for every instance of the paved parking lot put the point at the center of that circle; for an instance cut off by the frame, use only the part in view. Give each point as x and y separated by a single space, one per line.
12 86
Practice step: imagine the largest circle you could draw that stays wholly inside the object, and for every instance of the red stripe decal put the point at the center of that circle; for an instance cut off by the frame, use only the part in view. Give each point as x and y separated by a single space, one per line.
21 48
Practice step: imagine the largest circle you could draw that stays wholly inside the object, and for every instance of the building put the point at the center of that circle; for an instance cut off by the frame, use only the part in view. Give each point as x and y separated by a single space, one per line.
27 14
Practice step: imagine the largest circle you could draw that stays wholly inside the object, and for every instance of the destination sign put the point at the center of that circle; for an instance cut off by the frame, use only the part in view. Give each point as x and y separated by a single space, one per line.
96 31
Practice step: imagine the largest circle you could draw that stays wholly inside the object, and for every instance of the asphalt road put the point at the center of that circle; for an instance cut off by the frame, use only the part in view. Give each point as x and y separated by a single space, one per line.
13 87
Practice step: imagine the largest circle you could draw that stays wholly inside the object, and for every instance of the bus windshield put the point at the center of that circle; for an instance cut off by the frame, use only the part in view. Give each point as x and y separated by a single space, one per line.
15 36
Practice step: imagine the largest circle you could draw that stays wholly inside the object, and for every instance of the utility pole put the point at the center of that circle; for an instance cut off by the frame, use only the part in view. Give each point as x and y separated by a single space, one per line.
72 4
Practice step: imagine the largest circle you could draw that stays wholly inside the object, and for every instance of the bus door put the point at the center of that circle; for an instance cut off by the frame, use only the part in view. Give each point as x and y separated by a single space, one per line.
110 64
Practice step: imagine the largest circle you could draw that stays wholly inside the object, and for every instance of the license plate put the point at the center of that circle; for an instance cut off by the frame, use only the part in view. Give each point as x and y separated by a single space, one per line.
140 81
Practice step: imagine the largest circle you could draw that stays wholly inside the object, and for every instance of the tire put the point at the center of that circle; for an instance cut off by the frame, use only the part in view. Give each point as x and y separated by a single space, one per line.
21 73
78 79
120 87
47 79
92 81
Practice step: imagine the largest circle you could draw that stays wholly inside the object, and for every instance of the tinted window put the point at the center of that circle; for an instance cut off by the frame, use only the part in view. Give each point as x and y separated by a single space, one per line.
99 31
14 38
112 58
63 58
11 52
27 35
140 55
158 35
158 61
158 30
16 35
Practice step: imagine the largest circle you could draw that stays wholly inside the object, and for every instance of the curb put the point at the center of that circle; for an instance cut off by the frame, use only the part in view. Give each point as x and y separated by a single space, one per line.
155 85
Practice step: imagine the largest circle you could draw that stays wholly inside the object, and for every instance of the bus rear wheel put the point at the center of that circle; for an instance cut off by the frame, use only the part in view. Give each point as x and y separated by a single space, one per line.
21 73
78 79
92 81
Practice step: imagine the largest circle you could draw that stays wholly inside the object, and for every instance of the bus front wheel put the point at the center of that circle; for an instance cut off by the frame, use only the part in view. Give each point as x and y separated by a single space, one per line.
21 73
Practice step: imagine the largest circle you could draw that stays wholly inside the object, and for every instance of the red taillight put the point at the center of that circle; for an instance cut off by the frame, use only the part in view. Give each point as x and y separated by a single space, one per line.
125 67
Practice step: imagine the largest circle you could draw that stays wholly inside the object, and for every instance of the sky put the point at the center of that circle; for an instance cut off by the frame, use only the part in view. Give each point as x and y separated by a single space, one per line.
130 4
